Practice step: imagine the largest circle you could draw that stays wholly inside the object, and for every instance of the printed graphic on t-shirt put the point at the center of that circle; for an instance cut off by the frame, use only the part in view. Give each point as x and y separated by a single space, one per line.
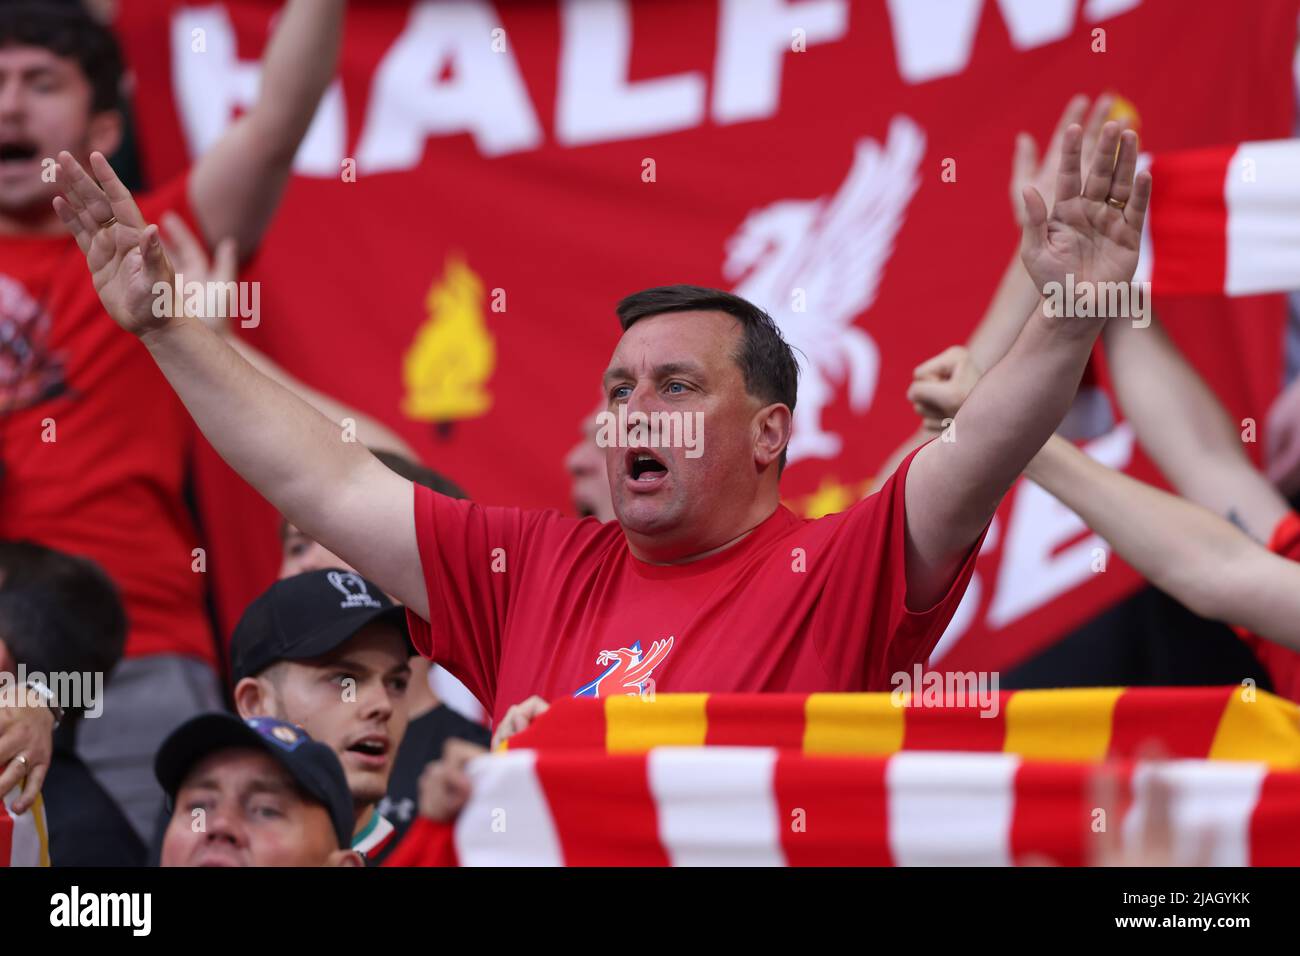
29 371
626 672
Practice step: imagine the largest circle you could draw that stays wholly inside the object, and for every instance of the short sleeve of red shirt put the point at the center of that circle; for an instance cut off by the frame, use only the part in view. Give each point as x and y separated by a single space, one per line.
466 550
1282 663
864 617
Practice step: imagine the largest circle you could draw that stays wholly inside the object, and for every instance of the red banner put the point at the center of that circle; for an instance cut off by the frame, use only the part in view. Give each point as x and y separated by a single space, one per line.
485 181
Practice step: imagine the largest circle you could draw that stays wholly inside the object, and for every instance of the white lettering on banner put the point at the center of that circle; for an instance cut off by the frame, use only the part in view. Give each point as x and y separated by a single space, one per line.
595 102
753 39
487 98
1032 572
933 38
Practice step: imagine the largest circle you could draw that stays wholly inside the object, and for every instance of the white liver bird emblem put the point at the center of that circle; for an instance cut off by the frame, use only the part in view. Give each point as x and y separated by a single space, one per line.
815 265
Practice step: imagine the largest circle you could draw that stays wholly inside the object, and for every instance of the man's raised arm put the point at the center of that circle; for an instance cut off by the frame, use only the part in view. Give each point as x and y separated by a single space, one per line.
334 490
236 185
1092 235
1183 426
1180 547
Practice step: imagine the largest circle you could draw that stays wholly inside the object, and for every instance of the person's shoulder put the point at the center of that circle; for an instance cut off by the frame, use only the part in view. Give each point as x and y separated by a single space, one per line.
849 511
570 530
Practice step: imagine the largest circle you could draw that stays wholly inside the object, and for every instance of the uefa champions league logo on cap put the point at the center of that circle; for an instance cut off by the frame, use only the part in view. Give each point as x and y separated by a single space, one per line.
353 588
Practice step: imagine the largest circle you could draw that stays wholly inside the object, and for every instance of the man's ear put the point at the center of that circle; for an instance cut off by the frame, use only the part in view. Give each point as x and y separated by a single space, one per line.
105 132
7 663
345 858
772 427
254 697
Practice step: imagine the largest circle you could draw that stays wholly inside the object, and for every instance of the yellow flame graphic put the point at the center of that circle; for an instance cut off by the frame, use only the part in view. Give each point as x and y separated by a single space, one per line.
446 369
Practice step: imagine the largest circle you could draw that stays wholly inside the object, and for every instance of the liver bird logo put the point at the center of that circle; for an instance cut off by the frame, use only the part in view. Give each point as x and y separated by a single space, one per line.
816 264
626 670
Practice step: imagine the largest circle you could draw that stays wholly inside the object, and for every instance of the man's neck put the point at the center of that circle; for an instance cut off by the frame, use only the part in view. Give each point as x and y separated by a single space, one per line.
367 816
666 558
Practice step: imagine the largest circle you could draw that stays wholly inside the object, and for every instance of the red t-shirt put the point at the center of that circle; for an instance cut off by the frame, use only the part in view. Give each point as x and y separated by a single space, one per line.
109 486
1282 663
532 602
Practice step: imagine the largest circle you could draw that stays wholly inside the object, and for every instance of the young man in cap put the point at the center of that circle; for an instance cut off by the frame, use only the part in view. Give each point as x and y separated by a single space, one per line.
329 651
440 736
259 792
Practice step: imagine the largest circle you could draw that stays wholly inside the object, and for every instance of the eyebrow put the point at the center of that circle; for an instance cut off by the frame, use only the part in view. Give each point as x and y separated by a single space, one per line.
258 785
659 371
39 72
347 664
265 785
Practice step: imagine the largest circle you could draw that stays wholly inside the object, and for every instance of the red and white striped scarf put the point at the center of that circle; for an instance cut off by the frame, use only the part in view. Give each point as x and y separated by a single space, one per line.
1224 220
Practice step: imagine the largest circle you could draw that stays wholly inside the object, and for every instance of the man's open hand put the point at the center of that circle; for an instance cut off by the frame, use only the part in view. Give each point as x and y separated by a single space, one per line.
1095 226
124 253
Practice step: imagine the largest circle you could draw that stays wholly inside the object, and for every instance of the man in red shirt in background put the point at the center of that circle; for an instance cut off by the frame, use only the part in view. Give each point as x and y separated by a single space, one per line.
704 583
93 444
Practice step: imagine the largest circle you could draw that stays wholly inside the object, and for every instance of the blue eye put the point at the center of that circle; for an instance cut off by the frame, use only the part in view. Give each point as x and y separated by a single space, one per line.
676 385
620 392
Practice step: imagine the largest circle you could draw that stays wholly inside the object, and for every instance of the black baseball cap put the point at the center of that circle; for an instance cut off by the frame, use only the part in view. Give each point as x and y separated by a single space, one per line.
314 766
306 616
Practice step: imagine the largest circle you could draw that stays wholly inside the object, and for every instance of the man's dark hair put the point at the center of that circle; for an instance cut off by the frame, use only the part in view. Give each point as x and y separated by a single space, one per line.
58 612
765 357
66 29
417 473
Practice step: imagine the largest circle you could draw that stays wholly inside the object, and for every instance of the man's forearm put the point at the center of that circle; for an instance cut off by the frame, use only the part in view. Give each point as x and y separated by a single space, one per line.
1005 421
1185 550
297 67
1185 429
1000 326
330 487
236 185
369 431
278 443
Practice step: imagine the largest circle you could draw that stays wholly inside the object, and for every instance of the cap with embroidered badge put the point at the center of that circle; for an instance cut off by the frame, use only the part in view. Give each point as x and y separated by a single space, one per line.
314 766
307 616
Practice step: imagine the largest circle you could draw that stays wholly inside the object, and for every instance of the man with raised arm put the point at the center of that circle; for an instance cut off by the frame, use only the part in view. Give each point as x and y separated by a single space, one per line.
1183 548
93 444
704 583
